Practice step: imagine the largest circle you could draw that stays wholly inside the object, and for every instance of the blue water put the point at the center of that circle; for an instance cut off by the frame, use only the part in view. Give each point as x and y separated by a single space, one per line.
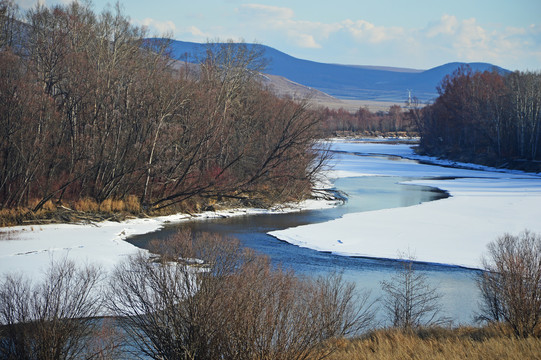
457 285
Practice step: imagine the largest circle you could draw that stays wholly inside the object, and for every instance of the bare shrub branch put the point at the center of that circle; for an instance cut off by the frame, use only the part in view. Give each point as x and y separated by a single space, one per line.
208 298
511 283
51 319
410 301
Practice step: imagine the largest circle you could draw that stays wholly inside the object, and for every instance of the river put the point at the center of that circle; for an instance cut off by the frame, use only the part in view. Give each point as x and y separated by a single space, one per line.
457 285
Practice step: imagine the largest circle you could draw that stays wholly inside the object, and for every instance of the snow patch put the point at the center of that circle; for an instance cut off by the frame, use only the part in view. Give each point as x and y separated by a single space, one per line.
485 203
30 249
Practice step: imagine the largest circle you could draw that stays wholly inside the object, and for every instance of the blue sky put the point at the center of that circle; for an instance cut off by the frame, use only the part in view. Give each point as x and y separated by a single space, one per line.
416 33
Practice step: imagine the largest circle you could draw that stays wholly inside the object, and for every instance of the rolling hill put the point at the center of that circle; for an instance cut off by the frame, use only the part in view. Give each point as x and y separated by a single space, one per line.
348 82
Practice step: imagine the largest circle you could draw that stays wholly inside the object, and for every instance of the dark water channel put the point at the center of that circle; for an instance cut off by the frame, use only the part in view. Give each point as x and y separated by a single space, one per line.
363 194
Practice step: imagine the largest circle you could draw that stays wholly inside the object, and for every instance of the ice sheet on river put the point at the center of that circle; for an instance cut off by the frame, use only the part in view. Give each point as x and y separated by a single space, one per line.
483 205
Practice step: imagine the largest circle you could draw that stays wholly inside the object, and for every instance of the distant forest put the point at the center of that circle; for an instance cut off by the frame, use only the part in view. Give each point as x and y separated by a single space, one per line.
481 117
92 112
485 118
394 122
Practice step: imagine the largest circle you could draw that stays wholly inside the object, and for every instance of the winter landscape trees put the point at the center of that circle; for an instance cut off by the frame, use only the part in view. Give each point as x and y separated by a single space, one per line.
511 285
92 110
202 296
395 121
485 117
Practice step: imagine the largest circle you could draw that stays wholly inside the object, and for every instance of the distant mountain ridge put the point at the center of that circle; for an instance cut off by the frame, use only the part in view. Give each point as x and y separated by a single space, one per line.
350 82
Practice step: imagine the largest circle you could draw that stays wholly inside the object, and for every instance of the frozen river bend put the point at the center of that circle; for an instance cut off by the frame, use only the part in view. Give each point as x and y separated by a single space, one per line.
485 203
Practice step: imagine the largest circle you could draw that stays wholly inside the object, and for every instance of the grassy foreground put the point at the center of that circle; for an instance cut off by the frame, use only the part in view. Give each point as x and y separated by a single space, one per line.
434 344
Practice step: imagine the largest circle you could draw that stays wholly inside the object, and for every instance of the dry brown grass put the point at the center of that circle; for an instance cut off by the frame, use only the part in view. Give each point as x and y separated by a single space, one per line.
130 205
444 344
20 215
133 205
11 217
106 206
86 205
80 210
87 209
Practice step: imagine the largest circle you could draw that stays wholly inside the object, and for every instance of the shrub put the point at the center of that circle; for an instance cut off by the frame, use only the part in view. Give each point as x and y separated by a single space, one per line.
409 300
511 283
106 205
51 319
117 205
209 298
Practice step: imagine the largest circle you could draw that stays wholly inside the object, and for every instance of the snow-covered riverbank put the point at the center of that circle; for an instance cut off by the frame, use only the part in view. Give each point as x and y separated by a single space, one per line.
484 204
30 249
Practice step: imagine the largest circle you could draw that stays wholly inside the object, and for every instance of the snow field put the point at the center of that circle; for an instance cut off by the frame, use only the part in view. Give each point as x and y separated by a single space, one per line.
484 204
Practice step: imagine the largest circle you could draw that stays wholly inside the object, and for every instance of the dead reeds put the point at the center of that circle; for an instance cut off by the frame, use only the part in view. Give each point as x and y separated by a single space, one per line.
82 210
439 343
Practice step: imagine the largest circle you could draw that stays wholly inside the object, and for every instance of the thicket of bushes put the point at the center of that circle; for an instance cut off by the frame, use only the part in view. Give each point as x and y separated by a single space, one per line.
206 297
92 110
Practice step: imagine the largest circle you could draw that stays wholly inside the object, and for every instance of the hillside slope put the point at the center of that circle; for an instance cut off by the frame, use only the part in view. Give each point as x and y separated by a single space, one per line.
347 81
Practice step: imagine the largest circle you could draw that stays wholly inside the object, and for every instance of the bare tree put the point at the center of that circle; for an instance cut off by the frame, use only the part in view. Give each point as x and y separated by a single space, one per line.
8 23
525 106
94 110
484 116
51 319
409 300
208 298
511 283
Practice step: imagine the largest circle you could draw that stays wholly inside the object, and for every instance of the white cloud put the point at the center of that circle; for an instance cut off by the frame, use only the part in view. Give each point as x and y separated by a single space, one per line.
310 34
471 41
282 20
365 31
307 41
517 31
161 27
467 40
195 31
446 26
272 12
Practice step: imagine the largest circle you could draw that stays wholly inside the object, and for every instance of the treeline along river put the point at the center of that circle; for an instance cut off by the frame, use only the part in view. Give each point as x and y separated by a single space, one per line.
366 193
